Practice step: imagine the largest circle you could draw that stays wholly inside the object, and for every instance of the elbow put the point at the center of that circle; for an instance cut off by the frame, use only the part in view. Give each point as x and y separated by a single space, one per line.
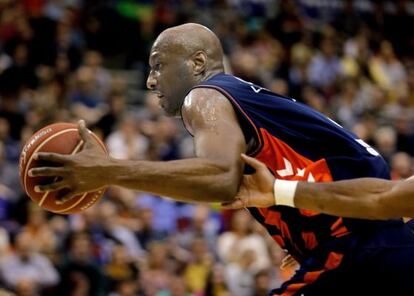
227 190
228 194
223 183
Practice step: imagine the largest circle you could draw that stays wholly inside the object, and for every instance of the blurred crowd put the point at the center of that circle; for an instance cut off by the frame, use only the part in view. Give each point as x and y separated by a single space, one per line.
62 60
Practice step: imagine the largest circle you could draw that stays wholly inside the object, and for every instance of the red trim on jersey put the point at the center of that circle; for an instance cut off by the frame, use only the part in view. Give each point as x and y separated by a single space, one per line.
333 261
279 240
263 211
310 239
338 229
292 289
337 224
273 218
308 213
287 164
312 276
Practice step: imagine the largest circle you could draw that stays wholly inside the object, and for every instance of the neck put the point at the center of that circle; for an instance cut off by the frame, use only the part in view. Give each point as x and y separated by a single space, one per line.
208 74
212 73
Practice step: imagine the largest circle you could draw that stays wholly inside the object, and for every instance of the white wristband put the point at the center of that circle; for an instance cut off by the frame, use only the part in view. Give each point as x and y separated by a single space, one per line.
284 192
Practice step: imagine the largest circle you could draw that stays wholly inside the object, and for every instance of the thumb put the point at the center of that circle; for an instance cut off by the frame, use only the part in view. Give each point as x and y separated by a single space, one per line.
84 133
254 163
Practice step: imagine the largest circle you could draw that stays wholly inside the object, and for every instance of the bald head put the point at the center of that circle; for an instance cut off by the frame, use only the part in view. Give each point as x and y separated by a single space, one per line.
190 38
182 57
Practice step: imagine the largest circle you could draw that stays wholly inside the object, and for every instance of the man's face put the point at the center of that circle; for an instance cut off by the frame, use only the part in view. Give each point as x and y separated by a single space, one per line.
170 77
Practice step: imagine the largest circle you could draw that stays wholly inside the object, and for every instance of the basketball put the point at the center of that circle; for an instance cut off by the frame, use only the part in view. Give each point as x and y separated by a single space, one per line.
60 138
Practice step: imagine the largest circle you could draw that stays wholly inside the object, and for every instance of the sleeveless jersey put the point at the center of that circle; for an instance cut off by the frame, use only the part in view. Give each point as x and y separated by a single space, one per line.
298 143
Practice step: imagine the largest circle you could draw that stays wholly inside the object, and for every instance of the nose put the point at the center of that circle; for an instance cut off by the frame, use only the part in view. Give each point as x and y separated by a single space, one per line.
151 82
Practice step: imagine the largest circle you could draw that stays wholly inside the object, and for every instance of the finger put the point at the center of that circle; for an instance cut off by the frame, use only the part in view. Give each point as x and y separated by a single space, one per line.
65 197
52 157
284 265
47 172
50 187
288 259
254 163
233 205
285 262
288 262
84 133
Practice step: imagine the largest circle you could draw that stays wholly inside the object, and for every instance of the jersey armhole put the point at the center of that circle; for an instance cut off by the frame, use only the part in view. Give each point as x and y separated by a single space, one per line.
241 114
184 123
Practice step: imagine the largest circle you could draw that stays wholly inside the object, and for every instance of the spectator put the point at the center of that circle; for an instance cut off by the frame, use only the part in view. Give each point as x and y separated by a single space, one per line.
385 68
9 177
203 223
26 269
126 288
79 274
120 270
261 283
39 231
196 272
402 166
86 102
115 232
216 282
112 117
127 142
93 61
385 140
156 275
239 274
239 240
324 68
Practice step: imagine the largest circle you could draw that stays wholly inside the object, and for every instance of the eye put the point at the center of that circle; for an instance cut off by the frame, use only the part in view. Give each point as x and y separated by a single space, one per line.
157 67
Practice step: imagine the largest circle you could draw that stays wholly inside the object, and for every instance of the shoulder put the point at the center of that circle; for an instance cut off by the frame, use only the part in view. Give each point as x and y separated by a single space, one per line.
204 106
203 95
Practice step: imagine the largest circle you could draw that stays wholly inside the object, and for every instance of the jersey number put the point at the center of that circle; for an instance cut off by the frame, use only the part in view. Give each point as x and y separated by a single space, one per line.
370 150
255 88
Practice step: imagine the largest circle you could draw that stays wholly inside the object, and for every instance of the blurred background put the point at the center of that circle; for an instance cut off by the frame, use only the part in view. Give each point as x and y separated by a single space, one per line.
61 60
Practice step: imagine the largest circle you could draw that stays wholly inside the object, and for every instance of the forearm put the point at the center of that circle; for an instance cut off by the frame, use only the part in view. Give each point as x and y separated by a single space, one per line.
195 179
365 198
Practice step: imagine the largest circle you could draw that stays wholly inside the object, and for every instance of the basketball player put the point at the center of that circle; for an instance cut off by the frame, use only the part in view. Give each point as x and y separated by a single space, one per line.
228 116
365 198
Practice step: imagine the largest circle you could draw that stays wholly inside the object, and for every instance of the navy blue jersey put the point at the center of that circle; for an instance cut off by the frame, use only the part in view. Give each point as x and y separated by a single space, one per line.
298 143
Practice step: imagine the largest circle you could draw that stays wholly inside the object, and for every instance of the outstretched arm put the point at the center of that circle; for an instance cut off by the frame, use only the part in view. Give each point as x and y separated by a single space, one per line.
214 175
366 198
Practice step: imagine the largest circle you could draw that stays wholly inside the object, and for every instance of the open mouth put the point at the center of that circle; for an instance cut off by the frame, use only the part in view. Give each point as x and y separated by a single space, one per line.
159 95
161 99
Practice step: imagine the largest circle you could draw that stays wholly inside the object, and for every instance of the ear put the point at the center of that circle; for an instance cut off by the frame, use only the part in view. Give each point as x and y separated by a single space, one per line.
199 62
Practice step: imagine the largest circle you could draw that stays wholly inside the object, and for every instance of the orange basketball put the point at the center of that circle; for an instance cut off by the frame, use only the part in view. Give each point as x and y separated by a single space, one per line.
60 138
